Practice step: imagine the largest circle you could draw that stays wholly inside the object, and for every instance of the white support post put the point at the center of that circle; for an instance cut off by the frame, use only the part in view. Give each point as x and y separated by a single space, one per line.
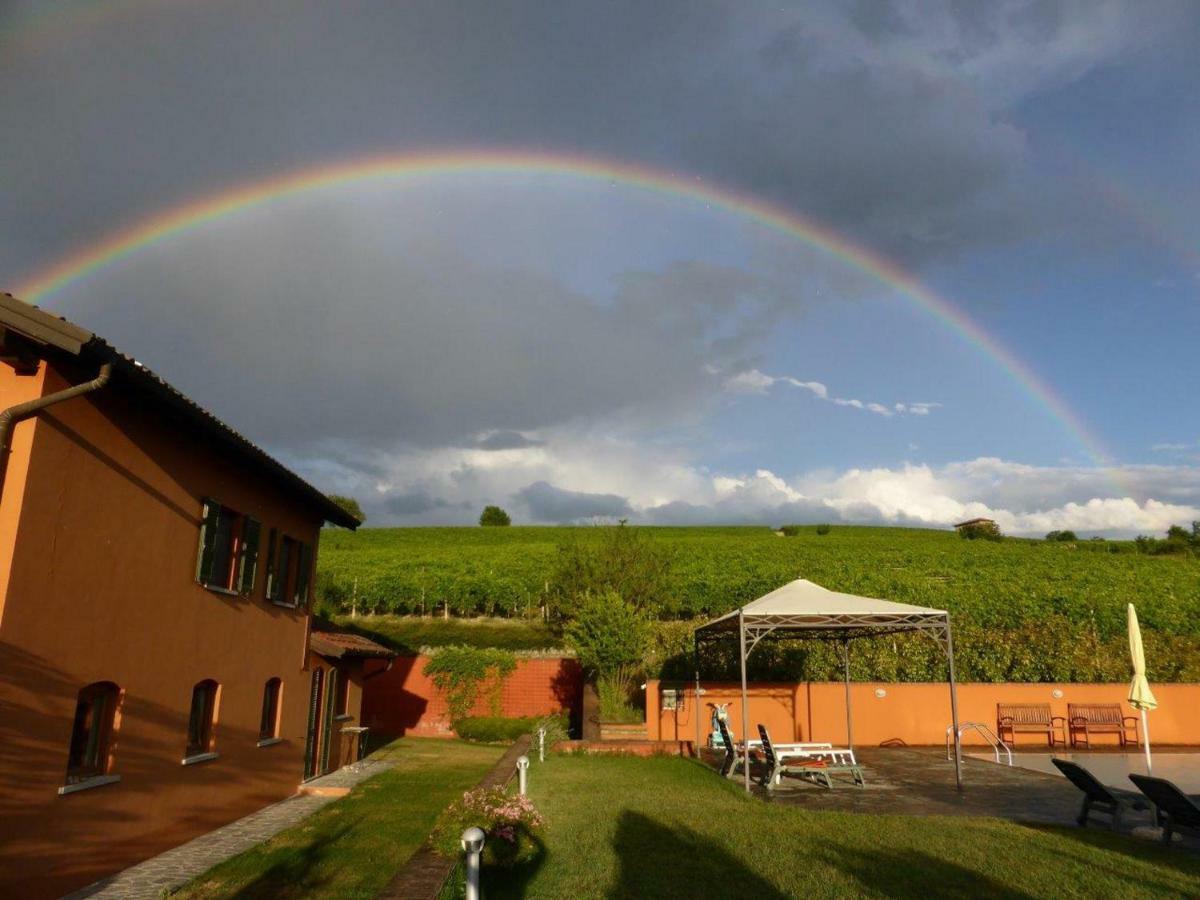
541 745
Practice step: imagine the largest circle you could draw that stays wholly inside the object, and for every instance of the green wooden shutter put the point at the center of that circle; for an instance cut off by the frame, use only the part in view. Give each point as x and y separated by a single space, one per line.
248 558
303 572
314 712
327 725
272 556
208 534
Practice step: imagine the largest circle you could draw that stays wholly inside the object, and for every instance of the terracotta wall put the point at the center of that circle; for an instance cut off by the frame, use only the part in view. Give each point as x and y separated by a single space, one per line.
99 526
913 714
405 701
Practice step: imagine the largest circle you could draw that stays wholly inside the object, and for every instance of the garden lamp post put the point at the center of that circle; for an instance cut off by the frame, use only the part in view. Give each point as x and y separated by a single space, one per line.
522 770
472 843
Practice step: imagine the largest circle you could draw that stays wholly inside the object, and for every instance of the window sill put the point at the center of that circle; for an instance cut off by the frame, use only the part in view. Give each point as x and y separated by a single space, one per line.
198 758
344 717
88 783
225 592
270 742
285 605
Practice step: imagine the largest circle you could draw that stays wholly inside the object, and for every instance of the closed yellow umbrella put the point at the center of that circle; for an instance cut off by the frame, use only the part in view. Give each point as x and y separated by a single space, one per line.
1140 696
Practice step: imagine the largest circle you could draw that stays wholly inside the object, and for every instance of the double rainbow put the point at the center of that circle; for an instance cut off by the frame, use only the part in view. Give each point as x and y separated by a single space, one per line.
410 167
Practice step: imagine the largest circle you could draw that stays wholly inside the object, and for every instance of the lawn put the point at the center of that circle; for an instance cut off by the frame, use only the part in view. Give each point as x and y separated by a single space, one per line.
666 827
353 846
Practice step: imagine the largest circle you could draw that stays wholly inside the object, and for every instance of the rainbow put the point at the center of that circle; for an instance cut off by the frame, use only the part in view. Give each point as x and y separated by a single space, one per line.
409 167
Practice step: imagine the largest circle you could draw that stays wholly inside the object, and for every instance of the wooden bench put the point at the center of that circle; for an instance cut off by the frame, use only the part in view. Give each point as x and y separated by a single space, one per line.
1028 718
1086 719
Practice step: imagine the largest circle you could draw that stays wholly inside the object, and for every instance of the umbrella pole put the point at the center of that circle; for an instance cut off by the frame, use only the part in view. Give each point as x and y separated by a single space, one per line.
849 716
745 703
954 708
1146 741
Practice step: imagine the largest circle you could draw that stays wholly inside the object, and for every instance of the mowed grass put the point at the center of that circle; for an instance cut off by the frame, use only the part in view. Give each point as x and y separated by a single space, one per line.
353 846
667 827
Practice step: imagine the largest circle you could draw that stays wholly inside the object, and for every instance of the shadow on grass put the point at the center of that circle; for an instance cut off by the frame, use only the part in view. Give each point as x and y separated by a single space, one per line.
292 875
657 860
912 873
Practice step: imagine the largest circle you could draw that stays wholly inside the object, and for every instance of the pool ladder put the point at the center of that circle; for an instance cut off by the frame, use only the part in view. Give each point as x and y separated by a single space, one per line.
988 735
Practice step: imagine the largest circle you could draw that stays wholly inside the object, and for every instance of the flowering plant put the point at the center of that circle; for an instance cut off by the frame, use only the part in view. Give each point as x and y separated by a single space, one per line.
511 822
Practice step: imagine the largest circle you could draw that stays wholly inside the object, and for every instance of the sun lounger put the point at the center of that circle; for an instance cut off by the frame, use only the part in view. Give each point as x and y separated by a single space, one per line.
1096 796
804 764
1175 808
839 756
730 763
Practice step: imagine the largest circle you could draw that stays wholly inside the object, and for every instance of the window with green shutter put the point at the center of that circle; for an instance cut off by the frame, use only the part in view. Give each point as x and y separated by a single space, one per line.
248 555
208 537
272 567
303 574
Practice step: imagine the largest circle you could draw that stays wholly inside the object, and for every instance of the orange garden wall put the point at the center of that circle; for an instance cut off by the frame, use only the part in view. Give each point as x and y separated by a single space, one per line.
915 714
405 701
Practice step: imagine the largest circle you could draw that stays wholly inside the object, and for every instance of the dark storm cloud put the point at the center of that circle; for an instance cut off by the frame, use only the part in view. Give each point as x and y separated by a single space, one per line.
414 502
547 503
893 130
506 440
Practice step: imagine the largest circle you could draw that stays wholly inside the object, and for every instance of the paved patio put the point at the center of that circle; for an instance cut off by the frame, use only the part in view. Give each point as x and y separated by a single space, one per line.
920 782
169 871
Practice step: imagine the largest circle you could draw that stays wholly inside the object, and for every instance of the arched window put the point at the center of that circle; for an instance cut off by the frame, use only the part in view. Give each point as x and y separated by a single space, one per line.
200 719
269 727
91 733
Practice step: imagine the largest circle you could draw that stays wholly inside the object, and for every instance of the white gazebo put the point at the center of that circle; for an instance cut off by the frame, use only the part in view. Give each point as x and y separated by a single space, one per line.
801 609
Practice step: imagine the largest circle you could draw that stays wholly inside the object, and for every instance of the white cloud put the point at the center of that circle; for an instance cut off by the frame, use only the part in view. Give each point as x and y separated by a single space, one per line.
753 381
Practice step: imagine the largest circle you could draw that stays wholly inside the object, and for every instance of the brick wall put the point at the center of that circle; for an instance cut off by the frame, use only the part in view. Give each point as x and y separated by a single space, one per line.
405 701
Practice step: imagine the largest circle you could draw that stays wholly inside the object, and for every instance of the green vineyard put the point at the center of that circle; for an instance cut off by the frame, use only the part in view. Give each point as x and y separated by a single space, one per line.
1013 601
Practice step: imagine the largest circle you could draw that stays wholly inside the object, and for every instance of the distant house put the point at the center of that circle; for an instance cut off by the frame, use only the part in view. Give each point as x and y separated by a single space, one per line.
157 677
972 523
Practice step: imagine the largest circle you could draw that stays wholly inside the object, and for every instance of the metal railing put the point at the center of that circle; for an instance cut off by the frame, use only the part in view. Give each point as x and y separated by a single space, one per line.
988 735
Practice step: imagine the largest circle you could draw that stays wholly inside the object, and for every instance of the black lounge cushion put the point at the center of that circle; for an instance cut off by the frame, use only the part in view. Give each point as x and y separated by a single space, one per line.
1169 799
1085 781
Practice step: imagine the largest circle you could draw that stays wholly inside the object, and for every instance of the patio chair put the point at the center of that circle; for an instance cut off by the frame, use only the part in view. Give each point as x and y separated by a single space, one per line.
1175 808
805 763
1095 795
1086 719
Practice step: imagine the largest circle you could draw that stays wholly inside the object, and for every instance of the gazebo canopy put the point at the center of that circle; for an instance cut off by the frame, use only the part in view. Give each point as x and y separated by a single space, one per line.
802 609
801 604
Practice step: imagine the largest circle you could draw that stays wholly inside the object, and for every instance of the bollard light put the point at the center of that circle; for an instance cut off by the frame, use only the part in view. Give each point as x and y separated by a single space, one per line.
541 745
472 843
522 769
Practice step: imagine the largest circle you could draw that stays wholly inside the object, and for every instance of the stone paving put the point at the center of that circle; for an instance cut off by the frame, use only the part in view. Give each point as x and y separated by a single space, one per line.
920 782
169 871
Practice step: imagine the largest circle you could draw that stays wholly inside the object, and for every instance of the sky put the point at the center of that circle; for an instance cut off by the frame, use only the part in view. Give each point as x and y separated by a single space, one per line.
703 262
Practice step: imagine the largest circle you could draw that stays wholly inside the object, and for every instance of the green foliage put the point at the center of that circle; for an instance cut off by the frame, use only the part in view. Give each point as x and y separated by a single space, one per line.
558 728
824 529
462 672
494 729
615 690
494 516
350 505
980 531
616 558
409 634
608 634
1179 542
1067 536
512 825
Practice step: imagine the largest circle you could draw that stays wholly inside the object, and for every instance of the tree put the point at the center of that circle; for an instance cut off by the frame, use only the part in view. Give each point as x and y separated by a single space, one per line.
610 636
494 516
983 530
626 560
350 505
1065 535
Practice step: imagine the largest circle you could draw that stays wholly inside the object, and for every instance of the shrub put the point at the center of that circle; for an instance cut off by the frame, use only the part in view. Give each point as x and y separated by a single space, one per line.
495 729
512 825
1066 536
824 529
615 691
980 531
558 728
494 516
790 530
460 673
624 560
608 634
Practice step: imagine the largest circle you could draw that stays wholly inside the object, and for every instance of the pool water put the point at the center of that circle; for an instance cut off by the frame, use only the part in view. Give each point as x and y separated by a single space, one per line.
1113 768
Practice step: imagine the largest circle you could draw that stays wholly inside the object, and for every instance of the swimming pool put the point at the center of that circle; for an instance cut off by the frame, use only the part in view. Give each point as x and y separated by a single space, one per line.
1113 768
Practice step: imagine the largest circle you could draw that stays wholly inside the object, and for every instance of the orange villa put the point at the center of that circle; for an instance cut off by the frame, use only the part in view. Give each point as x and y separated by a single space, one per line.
159 674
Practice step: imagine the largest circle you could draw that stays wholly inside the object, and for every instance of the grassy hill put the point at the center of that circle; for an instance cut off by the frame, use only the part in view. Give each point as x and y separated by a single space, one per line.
1016 593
